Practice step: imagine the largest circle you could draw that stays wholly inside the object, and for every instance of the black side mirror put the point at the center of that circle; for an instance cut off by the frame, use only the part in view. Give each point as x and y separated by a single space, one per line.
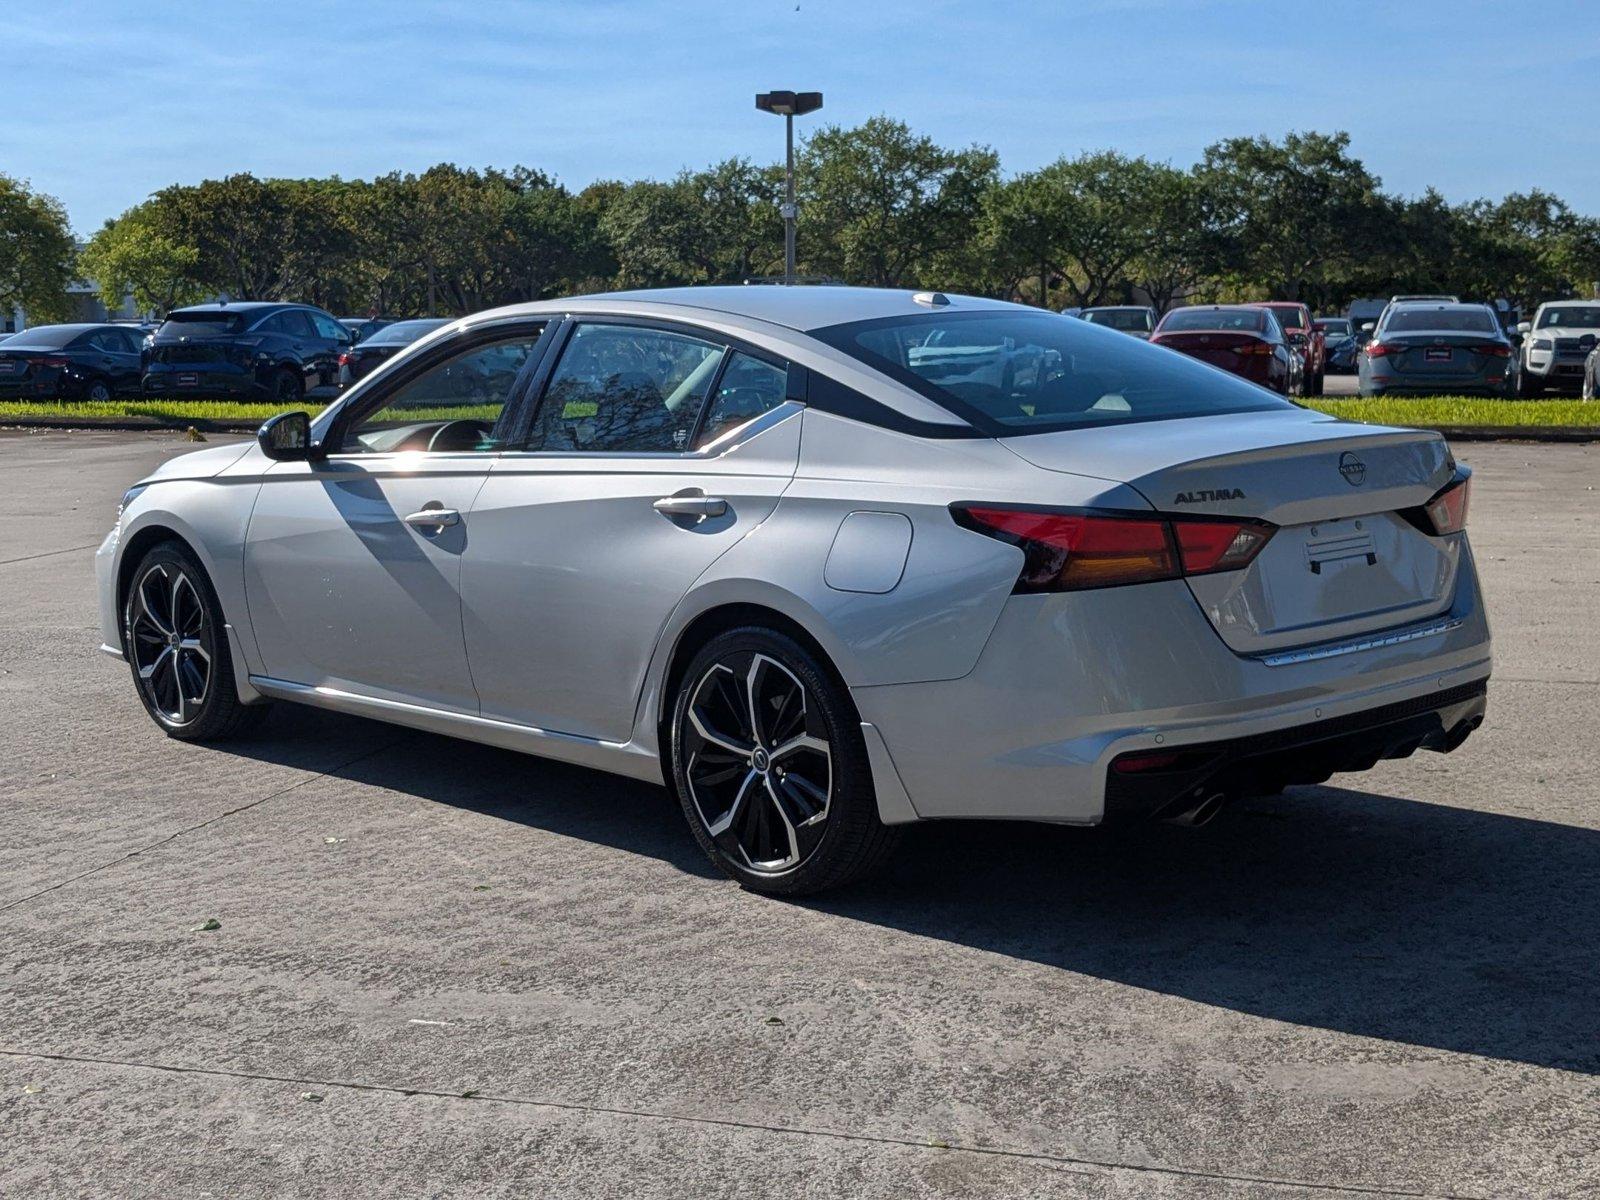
286 437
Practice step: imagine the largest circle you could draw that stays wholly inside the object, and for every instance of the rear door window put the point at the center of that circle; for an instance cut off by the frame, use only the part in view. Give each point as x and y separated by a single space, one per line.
625 389
748 388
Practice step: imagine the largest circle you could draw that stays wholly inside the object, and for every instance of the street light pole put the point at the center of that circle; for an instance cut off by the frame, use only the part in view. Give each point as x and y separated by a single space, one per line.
789 105
788 198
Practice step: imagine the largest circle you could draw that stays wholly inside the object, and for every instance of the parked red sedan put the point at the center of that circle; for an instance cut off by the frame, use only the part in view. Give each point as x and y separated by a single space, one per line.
1244 339
1309 341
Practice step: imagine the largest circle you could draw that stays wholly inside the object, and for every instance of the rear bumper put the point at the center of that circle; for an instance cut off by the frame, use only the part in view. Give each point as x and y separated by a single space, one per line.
207 379
1139 786
1070 682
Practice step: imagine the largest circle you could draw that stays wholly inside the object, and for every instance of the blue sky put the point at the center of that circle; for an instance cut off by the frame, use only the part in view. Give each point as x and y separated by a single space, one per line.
102 103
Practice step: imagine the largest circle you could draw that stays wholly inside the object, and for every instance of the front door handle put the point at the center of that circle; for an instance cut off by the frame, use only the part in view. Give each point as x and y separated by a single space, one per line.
691 503
433 518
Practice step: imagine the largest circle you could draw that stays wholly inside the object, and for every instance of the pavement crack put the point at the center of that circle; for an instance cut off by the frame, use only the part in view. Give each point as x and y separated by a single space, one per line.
478 1097
48 554
198 825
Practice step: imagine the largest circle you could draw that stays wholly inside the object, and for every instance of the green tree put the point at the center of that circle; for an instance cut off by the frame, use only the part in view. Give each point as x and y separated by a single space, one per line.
36 253
135 253
882 206
1291 217
720 225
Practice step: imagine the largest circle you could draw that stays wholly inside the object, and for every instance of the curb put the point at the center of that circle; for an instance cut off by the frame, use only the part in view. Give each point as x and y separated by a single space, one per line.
1568 434
129 424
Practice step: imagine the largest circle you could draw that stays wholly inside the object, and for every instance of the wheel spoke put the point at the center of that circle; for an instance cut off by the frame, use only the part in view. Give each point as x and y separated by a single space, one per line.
731 745
147 611
752 780
148 673
803 741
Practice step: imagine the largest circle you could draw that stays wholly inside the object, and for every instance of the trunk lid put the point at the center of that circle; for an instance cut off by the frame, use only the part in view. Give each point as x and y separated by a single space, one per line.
1343 562
1439 353
1221 348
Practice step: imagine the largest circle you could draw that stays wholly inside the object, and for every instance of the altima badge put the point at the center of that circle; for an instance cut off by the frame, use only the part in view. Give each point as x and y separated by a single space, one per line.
1352 468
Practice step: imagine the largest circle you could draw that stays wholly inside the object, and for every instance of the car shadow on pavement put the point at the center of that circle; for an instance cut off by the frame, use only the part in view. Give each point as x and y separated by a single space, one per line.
1326 907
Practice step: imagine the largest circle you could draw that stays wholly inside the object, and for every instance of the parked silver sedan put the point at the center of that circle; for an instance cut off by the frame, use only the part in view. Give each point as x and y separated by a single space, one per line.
817 560
1437 347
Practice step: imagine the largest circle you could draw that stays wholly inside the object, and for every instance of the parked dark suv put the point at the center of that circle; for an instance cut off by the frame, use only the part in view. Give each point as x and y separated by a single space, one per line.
255 349
70 362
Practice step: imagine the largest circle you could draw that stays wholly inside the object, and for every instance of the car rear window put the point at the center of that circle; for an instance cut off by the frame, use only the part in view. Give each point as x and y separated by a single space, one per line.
46 337
1250 319
218 322
1022 372
1447 320
1289 316
403 332
1135 319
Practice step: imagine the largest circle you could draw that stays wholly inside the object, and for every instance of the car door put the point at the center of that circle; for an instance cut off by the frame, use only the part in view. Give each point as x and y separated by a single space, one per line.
653 450
353 561
332 337
105 353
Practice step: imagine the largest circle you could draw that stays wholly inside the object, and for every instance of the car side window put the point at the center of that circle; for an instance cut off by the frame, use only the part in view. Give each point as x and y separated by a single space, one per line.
455 405
274 324
622 389
298 322
748 388
329 329
107 340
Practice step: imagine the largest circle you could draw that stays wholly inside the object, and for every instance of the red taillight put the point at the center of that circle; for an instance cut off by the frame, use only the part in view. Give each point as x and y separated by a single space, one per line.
344 358
53 362
1257 348
1072 551
1218 545
1447 511
1493 350
1378 349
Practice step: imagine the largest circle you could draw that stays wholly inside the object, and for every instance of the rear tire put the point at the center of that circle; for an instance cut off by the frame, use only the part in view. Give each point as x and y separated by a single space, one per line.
1318 381
177 649
99 391
771 768
288 389
1588 392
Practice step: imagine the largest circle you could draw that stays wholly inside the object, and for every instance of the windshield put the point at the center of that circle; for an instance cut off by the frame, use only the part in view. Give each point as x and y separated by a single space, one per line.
1136 320
1573 316
1457 320
212 320
1335 328
1021 372
404 332
1252 320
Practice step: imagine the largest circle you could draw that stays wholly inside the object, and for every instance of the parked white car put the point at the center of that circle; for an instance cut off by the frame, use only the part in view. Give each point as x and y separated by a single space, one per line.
1556 344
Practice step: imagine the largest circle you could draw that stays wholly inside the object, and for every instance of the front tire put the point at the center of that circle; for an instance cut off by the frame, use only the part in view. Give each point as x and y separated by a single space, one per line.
771 769
177 648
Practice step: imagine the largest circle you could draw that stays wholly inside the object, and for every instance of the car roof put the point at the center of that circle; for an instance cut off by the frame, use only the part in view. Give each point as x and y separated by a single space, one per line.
75 326
1116 308
800 307
244 306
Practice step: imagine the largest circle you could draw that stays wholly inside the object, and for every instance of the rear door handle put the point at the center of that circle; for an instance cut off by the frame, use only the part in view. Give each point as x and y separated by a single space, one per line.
433 518
693 503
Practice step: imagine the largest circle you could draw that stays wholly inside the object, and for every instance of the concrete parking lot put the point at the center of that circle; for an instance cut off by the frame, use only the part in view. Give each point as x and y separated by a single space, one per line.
442 969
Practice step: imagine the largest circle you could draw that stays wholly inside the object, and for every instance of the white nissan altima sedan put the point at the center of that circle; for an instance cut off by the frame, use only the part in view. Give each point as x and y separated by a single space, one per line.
825 561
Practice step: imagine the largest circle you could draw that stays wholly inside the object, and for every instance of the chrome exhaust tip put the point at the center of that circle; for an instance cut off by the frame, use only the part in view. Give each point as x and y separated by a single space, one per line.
1199 813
